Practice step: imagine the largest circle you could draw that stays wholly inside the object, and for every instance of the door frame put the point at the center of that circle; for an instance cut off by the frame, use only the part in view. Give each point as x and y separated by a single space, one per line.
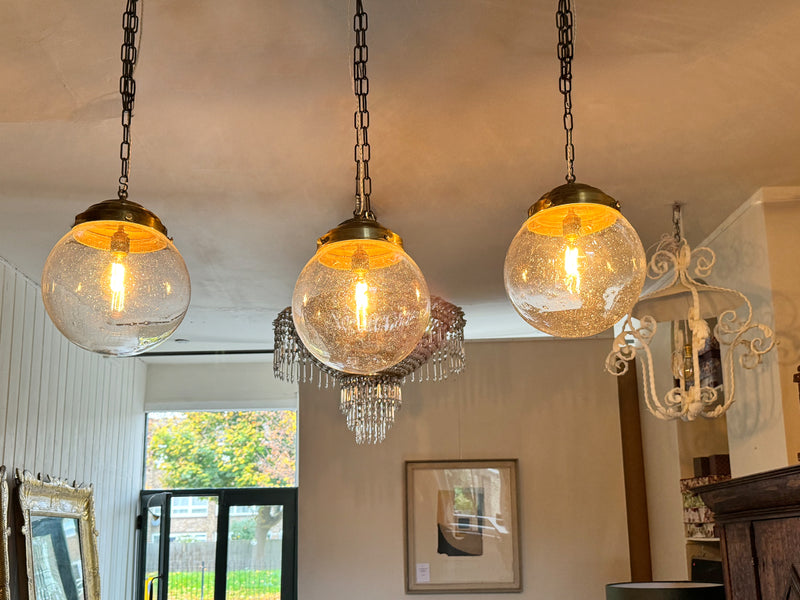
227 497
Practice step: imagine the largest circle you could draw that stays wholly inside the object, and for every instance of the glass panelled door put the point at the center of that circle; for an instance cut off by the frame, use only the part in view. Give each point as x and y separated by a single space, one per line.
231 544
192 546
153 524
259 545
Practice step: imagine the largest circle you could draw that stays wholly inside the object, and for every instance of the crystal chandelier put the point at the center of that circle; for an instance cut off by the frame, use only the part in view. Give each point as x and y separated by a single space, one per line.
690 304
370 402
115 284
576 266
361 303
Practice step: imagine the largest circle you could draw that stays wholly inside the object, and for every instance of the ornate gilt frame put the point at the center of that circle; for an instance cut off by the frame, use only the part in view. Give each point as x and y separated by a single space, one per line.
5 585
53 497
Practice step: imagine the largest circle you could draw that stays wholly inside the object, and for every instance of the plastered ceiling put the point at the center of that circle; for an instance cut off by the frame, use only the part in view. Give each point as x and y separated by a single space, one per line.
242 135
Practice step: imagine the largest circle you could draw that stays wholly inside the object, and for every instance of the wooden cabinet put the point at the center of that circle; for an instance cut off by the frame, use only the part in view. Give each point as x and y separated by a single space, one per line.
759 521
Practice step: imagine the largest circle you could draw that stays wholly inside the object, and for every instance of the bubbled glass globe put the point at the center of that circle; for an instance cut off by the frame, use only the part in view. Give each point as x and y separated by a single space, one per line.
575 270
361 306
115 288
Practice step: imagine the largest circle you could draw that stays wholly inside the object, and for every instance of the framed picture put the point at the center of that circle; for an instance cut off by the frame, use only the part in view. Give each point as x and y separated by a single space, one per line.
462 526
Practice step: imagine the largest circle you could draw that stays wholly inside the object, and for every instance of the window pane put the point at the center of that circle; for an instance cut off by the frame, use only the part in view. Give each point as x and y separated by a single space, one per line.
190 450
152 535
193 550
254 553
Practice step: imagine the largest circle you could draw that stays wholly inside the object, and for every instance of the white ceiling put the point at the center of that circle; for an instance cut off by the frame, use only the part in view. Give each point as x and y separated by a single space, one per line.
242 136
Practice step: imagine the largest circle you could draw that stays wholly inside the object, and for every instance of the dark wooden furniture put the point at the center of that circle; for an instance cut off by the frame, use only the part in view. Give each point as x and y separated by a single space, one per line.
759 521
796 378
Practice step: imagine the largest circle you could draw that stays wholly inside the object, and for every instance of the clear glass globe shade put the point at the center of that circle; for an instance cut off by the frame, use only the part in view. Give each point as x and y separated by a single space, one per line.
361 306
115 288
575 270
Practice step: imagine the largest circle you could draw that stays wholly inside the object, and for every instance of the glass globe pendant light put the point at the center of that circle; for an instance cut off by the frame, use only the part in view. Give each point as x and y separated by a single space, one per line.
115 284
361 304
576 266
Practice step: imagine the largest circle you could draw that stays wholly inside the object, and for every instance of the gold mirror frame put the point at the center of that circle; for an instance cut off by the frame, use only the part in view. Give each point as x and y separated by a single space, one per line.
52 497
5 585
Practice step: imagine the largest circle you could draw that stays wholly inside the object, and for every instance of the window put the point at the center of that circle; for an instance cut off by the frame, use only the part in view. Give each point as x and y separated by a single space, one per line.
243 511
234 449
189 506
181 537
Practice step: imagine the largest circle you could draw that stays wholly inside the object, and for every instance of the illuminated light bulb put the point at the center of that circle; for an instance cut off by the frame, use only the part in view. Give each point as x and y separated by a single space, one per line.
360 305
120 246
115 287
572 230
576 266
360 266
572 279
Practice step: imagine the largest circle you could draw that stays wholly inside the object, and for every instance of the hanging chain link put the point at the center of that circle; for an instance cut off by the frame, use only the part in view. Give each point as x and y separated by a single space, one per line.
127 88
677 222
565 52
361 116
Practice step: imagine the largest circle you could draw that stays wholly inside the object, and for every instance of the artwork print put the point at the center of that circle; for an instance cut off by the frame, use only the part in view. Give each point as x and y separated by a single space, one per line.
461 526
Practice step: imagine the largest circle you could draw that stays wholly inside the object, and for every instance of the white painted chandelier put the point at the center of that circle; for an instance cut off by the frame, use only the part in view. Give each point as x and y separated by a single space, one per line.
370 402
689 303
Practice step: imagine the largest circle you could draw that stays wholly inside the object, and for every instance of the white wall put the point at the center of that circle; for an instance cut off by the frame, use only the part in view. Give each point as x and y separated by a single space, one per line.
782 221
547 403
662 474
72 414
756 432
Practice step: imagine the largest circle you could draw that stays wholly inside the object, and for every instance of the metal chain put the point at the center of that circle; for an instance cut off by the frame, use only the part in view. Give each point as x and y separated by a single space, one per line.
565 52
361 116
677 222
127 88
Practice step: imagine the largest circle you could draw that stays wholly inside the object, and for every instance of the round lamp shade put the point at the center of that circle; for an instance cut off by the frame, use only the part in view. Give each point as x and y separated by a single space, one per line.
665 590
360 306
574 270
115 288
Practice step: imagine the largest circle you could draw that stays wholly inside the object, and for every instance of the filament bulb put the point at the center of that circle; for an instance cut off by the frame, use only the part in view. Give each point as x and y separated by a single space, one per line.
572 275
360 265
120 246
362 304
117 285
572 231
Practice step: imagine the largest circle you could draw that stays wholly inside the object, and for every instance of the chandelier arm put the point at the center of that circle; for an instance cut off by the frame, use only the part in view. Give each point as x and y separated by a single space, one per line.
654 405
361 116
564 22
127 89
624 352
663 261
706 259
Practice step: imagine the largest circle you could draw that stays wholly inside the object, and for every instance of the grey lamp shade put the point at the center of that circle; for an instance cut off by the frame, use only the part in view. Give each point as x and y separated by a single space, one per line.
665 590
673 303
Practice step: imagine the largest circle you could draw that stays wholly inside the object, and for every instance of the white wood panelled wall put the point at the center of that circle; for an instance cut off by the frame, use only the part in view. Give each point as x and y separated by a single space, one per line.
72 414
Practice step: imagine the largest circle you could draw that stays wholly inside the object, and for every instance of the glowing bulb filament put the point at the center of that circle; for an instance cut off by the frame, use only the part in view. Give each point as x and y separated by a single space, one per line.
571 227
359 264
362 304
120 246
117 285
572 278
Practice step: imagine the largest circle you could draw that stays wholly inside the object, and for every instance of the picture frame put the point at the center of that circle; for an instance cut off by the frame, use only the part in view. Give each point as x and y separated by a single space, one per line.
462 526
5 575
59 538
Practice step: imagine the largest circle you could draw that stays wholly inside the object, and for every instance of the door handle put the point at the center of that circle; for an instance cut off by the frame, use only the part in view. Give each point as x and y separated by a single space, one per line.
150 586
